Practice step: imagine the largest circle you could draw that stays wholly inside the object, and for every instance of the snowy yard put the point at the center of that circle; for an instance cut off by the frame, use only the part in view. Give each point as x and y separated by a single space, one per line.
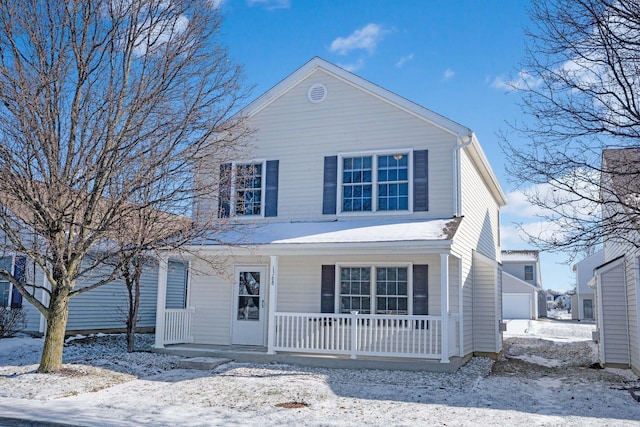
543 380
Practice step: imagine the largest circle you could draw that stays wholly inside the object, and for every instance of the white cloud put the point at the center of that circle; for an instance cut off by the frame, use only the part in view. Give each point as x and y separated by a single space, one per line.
353 67
404 60
515 235
156 32
366 38
270 4
524 80
521 218
216 4
448 74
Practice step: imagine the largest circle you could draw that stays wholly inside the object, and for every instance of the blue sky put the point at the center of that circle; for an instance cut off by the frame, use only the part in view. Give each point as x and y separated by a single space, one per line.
453 57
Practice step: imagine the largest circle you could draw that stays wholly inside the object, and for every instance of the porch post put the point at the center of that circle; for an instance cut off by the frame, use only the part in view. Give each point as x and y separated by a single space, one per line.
163 266
273 292
444 307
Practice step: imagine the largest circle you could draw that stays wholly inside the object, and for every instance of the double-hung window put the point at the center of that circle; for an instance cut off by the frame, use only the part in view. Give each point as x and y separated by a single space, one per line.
9 297
528 272
375 182
5 293
248 189
371 289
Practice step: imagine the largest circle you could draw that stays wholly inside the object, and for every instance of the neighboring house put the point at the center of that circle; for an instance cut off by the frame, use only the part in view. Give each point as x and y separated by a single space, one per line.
562 302
522 293
582 302
550 299
616 281
372 231
103 309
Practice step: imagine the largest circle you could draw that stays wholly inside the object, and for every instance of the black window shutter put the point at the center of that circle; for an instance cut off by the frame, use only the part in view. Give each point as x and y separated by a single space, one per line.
224 209
330 191
328 289
271 196
421 181
420 289
19 273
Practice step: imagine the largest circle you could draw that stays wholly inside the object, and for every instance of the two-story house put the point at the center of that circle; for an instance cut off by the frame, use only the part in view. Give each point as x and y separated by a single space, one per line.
522 293
373 232
617 280
582 302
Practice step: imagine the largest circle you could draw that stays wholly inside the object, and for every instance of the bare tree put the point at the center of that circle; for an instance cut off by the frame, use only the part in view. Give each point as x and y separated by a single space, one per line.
102 102
580 89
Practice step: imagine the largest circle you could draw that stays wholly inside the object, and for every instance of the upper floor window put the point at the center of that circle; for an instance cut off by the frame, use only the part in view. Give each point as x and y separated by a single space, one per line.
248 189
528 272
377 182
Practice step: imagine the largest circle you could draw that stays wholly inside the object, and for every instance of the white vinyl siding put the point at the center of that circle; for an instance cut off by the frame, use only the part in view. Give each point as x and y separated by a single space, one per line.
615 331
478 231
486 306
348 120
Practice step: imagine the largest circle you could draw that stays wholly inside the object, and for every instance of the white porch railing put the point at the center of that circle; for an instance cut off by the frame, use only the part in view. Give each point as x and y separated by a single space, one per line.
363 335
177 326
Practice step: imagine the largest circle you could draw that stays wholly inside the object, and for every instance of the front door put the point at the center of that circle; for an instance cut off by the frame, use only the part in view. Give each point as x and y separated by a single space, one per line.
587 306
249 306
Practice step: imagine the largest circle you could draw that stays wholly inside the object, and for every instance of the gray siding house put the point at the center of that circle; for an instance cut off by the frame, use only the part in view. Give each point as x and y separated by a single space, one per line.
372 232
102 309
583 301
522 293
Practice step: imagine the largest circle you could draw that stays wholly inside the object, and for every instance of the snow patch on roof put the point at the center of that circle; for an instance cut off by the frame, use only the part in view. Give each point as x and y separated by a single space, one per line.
345 231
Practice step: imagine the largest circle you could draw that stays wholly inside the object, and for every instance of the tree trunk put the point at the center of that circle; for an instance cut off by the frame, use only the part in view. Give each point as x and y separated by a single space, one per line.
132 280
132 319
57 316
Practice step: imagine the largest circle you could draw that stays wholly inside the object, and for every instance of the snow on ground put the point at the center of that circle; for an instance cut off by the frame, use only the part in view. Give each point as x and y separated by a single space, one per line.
544 379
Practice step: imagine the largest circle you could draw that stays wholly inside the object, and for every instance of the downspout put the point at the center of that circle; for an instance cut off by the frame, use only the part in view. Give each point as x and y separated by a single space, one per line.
462 141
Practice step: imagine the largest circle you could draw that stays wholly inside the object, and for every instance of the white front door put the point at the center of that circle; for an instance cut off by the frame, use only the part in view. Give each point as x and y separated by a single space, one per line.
249 305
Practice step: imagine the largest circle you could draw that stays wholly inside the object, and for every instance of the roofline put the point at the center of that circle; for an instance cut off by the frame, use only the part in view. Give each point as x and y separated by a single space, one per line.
307 249
481 159
522 282
316 63
609 264
420 112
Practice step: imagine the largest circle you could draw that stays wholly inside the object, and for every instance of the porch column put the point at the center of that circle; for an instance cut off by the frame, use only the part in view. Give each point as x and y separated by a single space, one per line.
444 307
163 266
273 292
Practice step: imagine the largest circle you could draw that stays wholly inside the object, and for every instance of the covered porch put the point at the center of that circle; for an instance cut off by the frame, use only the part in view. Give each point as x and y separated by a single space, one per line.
371 335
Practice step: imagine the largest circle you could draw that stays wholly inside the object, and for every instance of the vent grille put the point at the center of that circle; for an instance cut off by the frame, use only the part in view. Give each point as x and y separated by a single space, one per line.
317 93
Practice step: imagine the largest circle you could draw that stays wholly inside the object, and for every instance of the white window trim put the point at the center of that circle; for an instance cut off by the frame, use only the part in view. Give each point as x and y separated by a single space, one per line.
234 201
374 181
373 266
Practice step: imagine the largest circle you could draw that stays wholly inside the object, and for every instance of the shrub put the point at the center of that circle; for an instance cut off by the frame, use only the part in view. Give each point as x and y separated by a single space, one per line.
12 321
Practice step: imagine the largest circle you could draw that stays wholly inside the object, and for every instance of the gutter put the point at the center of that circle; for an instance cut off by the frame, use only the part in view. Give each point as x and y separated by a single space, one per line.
462 141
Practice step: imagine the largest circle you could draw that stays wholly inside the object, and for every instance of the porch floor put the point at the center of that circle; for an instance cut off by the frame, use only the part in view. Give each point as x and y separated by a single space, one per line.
257 354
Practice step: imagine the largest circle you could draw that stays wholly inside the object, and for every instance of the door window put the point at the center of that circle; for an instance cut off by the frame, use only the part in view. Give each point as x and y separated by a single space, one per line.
249 296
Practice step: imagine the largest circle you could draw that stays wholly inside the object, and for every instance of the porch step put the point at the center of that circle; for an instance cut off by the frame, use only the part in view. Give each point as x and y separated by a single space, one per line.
204 363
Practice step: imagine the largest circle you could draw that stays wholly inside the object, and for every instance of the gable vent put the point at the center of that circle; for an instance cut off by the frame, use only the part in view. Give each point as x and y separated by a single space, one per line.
317 93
